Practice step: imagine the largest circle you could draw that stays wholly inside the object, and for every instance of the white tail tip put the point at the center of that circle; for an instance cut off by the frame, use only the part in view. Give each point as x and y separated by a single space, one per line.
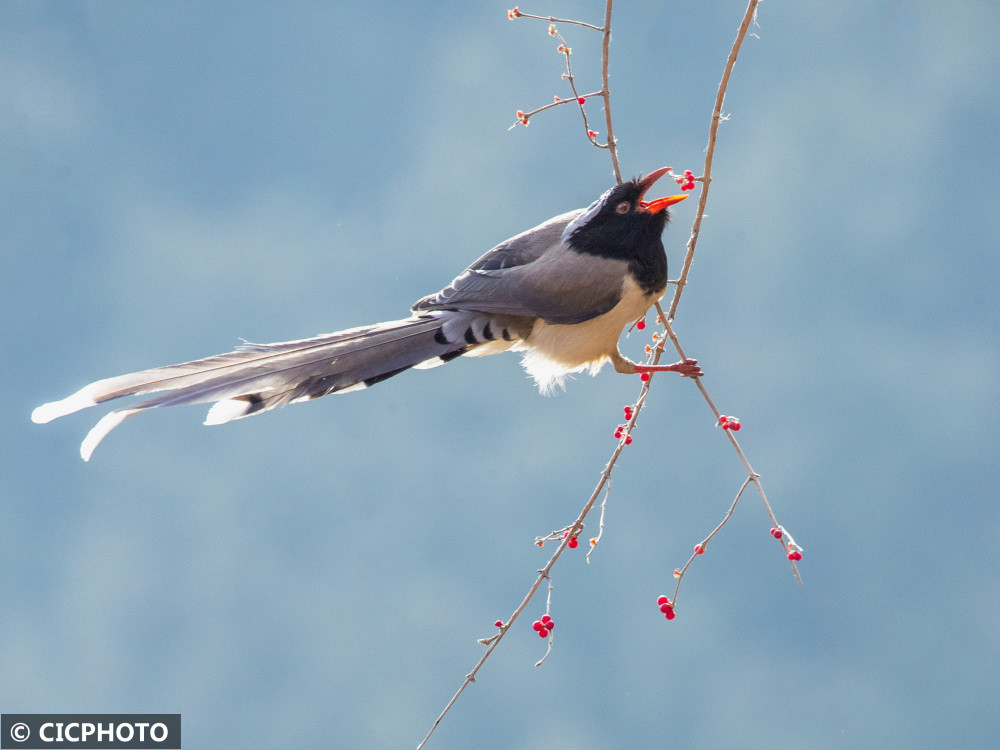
55 409
102 428
227 410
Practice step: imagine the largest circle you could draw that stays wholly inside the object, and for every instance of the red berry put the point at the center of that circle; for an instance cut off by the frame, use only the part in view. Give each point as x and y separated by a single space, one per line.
572 543
688 173
699 549
663 600
735 426
794 555
640 324
670 615
628 440
628 412
499 623
668 607
723 418
581 100
644 377
776 533
543 632
591 133
536 625
546 618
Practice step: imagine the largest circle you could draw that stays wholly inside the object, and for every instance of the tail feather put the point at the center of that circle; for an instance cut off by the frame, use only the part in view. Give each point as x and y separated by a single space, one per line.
186 373
259 377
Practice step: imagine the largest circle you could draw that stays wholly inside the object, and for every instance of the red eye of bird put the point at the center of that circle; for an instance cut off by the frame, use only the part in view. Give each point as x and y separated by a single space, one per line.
624 207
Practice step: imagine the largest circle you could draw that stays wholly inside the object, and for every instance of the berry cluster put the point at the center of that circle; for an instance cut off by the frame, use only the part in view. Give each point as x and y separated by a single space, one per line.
729 423
544 626
794 553
686 181
666 607
573 543
620 431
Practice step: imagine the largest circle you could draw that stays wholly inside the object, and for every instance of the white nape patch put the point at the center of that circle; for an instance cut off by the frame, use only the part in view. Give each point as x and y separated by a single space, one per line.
55 409
583 218
226 411
429 364
102 428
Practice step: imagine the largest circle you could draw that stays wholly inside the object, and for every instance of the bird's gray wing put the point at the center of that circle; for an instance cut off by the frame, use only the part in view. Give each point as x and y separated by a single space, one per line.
535 275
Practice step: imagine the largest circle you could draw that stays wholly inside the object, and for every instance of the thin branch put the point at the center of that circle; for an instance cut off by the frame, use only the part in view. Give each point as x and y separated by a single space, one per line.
520 14
594 541
556 103
706 178
679 574
752 476
606 90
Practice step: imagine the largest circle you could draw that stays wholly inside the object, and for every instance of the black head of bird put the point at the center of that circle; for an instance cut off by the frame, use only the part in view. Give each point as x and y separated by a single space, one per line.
622 225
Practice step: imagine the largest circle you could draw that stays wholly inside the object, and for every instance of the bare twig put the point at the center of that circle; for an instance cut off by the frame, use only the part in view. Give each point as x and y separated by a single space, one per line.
752 476
606 90
605 93
556 103
679 574
515 13
594 541
706 178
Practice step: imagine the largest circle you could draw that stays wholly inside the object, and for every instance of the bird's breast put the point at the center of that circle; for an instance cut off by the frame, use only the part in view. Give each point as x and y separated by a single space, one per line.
572 347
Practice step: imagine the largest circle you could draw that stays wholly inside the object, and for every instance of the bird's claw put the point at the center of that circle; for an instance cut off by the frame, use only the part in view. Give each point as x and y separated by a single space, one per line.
687 368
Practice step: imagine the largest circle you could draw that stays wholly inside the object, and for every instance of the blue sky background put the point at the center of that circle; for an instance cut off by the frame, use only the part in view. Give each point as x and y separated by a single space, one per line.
174 176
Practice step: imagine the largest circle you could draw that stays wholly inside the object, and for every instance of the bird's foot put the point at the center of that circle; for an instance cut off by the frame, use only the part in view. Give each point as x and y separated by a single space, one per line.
687 368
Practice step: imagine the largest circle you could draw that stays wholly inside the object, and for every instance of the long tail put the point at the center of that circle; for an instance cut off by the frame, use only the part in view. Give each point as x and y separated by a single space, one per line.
258 377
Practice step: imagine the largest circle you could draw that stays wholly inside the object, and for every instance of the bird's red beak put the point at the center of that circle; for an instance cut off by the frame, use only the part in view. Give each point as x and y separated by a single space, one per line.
660 203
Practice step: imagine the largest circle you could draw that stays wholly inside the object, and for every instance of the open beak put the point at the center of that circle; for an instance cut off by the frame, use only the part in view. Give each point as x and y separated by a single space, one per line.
660 203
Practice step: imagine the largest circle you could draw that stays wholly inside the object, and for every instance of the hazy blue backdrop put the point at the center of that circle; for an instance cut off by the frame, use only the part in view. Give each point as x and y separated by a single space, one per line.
174 176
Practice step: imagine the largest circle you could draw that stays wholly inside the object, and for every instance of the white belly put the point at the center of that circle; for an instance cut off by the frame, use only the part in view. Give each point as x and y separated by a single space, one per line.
555 350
